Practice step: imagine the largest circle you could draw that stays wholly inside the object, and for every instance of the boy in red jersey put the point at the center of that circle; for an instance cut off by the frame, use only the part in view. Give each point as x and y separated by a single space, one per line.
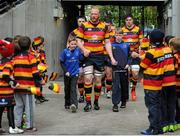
153 71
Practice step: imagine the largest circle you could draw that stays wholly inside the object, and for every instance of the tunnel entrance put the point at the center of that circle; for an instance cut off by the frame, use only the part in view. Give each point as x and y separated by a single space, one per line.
72 9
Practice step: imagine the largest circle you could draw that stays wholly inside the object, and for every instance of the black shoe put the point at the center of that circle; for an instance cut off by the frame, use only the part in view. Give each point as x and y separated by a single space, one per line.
123 105
41 100
67 107
44 99
115 108
151 131
81 99
88 107
96 106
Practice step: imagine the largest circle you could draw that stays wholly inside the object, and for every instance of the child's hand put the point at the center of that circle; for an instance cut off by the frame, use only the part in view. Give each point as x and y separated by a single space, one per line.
13 85
67 74
134 54
43 82
126 67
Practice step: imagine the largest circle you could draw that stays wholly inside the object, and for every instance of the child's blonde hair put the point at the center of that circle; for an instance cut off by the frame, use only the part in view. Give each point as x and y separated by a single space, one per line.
175 43
70 39
118 30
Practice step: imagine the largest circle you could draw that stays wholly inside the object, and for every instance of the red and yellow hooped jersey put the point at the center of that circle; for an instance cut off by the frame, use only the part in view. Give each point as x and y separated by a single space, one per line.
93 35
177 67
6 69
153 65
169 78
132 36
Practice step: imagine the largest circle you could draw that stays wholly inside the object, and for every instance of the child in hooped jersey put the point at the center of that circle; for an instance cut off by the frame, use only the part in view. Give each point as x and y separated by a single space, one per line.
7 85
153 71
70 60
175 44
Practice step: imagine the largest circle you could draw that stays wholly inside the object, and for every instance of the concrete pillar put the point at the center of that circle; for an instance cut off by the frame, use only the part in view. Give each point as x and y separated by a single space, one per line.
175 17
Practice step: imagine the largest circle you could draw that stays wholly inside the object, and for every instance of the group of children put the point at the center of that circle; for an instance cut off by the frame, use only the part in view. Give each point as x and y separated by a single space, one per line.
159 65
19 71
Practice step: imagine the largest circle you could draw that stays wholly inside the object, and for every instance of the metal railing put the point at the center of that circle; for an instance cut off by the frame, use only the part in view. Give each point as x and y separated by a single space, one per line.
6 5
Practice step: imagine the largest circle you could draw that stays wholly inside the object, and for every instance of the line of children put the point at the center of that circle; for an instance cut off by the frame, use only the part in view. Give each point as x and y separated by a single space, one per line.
70 60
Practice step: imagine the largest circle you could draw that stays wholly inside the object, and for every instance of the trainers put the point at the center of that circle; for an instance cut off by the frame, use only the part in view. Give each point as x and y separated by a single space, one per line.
115 108
15 130
31 129
73 108
96 106
88 107
133 94
2 131
123 105
171 128
108 95
165 129
176 127
81 99
150 131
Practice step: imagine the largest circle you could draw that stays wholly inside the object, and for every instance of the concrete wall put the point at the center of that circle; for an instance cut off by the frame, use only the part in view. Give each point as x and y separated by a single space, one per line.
34 18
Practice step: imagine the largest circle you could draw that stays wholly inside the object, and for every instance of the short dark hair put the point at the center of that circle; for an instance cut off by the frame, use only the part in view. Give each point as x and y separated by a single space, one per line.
128 15
24 43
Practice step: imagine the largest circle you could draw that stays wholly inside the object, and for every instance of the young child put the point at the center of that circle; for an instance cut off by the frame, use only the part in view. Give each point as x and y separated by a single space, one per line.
168 102
38 51
7 84
27 75
153 71
120 71
175 44
70 59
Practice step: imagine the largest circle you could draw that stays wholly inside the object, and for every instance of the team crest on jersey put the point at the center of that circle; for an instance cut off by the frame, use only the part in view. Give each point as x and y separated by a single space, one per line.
130 40
94 37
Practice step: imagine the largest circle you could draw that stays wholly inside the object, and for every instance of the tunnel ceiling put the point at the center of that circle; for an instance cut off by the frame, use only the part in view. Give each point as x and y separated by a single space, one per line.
115 2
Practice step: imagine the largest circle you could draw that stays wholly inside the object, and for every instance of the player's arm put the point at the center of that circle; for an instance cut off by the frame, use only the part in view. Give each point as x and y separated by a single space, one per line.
108 47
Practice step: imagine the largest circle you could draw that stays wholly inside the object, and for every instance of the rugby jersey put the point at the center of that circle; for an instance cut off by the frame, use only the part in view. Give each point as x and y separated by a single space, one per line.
132 36
169 78
153 66
93 35
25 71
6 70
177 67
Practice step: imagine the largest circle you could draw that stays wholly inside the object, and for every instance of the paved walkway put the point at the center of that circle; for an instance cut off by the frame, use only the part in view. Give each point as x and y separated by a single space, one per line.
53 119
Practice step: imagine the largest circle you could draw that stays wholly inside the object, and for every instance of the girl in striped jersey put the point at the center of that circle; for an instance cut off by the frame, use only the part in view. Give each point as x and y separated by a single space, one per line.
175 44
6 86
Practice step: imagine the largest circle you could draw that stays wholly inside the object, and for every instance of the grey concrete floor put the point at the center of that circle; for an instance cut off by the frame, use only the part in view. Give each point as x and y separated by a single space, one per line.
53 119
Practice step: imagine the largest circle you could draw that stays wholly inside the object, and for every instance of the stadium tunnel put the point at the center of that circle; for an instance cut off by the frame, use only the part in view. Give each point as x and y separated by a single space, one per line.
72 9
